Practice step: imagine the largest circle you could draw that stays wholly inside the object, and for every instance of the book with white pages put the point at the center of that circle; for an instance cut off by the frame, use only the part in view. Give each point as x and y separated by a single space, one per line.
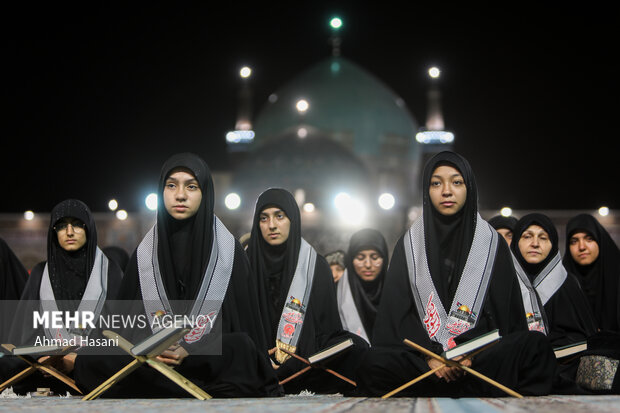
471 345
570 349
330 351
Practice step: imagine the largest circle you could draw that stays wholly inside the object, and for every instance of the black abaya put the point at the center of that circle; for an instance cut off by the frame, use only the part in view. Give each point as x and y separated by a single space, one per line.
521 360
568 315
184 251
600 280
69 274
321 325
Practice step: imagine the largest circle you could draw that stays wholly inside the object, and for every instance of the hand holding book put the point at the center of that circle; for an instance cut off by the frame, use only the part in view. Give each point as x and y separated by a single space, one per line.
173 356
447 373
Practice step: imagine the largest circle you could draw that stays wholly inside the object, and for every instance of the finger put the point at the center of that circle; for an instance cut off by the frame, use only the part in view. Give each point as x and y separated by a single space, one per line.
169 354
168 361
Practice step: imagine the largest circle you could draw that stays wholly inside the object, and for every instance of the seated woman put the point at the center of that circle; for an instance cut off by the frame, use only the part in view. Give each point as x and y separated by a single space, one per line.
77 276
360 287
190 265
593 256
451 279
537 257
297 297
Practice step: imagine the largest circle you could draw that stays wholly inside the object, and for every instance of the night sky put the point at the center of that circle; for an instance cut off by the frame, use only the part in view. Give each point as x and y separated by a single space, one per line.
100 95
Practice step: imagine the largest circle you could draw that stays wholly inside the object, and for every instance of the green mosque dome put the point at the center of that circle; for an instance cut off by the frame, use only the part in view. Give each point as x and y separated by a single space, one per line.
347 103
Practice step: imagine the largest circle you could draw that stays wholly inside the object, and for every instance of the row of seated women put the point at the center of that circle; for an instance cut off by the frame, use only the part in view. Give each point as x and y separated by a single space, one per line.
451 277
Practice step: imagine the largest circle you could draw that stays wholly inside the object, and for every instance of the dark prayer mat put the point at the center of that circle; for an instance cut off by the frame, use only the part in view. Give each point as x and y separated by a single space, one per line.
319 403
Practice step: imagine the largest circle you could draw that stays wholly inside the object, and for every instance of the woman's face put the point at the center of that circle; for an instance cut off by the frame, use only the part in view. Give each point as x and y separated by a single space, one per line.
274 226
535 244
71 233
182 195
368 264
583 248
447 190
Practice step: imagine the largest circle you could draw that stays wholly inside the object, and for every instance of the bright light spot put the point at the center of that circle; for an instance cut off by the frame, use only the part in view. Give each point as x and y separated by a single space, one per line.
239 136
151 201
302 132
113 204
28 215
302 105
341 200
245 72
603 211
434 136
434 72
336 23
506 211
232 201
386 201
352 211
121 214
309 207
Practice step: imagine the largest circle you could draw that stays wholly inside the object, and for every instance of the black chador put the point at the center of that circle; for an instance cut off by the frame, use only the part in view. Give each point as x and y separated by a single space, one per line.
191 266
71 279
561 310
450 279
298 301
599 280
358 299
568 317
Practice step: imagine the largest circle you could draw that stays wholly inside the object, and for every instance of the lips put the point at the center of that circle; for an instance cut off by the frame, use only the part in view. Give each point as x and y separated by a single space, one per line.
448 203
273 235
179 207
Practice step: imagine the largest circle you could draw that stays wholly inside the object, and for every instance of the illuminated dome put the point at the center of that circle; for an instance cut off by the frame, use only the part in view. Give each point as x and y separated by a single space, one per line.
348 104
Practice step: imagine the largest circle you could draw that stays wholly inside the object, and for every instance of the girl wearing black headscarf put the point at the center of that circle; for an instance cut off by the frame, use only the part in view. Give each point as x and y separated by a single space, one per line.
599 276
77 276
449 280
294 279
594 258
358 293
504 225
568 316
189 264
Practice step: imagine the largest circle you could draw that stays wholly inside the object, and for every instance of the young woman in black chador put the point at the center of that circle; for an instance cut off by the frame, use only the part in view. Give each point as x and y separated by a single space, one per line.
297 297
359 289
593 256
451 279
189 264
77 276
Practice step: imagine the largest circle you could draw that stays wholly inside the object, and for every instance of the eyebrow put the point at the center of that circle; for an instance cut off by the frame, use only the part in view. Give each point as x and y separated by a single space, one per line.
263 213
191 180
451 176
